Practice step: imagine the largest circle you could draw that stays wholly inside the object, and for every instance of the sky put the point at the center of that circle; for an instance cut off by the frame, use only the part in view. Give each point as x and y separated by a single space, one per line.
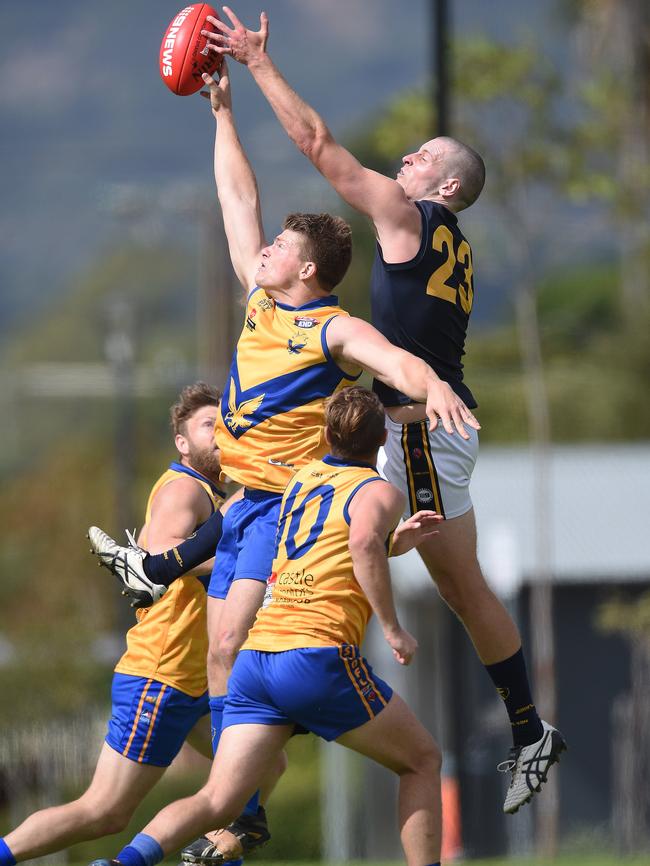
88 125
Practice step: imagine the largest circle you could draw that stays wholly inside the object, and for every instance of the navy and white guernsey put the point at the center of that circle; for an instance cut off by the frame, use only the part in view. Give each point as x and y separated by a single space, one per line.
423 305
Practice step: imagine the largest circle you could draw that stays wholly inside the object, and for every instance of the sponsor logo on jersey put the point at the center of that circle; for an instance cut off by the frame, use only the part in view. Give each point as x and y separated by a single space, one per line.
504 693
424 495
417 453
305 322
145 717
274 462
250 324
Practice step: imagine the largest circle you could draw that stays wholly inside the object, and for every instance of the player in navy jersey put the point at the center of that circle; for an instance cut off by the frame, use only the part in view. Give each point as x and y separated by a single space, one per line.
422 292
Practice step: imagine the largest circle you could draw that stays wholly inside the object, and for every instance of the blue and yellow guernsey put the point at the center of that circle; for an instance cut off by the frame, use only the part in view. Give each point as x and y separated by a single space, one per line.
313 598
169 642
271 419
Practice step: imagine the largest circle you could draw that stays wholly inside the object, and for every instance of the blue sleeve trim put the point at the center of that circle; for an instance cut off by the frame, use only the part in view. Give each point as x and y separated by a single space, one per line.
328 354
346 507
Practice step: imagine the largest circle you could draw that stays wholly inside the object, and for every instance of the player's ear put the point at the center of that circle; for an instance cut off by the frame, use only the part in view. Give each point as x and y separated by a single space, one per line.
450 187
308 271
328 437
182 445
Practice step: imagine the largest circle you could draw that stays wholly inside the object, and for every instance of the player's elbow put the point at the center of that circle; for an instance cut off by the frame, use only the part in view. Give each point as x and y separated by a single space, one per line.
314 141
366 544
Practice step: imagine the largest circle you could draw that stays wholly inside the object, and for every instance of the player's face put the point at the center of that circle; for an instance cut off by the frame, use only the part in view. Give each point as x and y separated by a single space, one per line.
282 262
202 452
424 171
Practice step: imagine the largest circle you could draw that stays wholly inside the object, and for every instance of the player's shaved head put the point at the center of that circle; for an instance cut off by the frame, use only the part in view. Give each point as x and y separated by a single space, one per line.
467 165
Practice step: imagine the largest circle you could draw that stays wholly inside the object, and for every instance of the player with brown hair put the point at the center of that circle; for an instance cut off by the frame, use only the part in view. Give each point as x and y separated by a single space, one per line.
422 291
301 668
297 347
159 690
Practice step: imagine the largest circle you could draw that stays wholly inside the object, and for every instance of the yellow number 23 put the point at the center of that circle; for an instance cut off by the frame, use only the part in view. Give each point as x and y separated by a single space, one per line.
437 285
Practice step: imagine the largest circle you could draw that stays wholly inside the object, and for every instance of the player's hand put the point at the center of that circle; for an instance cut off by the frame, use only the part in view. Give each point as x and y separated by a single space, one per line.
413 531
445 405
402 644
244 46
219 92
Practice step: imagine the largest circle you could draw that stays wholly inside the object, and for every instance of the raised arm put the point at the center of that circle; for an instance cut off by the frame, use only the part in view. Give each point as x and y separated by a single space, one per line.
236 185
396 219
374 513
354 343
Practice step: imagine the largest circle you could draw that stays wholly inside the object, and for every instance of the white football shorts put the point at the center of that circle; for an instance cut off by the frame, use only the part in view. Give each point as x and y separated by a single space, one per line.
430 467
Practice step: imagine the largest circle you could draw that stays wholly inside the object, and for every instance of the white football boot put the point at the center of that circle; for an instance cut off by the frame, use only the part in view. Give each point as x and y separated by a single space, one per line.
126 564
529 765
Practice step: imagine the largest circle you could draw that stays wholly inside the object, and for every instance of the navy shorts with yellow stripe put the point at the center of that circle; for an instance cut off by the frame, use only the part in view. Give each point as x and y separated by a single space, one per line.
325 690
150 720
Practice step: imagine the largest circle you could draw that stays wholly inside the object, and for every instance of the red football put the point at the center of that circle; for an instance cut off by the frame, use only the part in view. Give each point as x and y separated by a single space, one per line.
183 53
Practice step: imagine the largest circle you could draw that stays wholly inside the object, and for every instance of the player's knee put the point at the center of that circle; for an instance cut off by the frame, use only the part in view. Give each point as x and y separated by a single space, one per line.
222 813
426 758
282 763
115 821
103 819
229 642
462 594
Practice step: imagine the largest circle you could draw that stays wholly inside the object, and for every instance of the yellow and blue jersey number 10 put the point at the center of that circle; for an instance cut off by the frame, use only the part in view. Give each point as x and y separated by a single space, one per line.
438 285
294 551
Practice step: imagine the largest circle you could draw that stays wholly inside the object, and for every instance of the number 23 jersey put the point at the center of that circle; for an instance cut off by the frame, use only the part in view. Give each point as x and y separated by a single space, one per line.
423 305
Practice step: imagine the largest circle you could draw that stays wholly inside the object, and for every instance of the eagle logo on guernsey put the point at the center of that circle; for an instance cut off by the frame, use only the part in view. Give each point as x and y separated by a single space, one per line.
236 415
297 343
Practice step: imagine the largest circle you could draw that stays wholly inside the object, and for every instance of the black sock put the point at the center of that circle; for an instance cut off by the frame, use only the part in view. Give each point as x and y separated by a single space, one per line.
511 681
201 545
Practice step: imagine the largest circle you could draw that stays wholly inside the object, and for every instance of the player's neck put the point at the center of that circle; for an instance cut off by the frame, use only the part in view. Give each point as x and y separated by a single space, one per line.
364 459
297 295
439 199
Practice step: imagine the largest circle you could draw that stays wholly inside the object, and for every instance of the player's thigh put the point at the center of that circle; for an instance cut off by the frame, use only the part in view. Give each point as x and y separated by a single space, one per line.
452 553
200 737
120 782
238 615
396 739
245 756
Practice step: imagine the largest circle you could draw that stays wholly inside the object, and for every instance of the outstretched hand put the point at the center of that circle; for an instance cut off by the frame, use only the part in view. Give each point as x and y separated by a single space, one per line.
445 405
413 531
219 91
244 46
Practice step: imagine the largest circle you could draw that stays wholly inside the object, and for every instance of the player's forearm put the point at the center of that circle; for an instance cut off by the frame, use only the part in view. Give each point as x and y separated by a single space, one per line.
304 126
410 375
371 571
233 173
